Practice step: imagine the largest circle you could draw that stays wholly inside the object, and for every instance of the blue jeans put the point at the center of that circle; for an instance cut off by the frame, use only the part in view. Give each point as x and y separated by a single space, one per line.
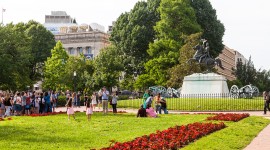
164 109
157 108
48 106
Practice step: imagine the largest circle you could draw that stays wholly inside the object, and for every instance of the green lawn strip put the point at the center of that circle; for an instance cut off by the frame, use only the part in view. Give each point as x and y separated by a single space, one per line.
56 132
236 136
202 104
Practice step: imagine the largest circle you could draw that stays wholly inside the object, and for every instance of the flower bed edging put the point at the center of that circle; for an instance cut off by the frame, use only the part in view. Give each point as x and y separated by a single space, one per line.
172 138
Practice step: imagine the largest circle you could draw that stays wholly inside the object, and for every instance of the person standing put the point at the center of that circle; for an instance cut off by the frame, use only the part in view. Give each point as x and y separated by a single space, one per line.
7 103
146 95
24 95
94 100
89 110
53 100
18 104
266 102
148 101
114 102
41 103
28 105
69 106
47 99
99 98
163 106
157 102
105 98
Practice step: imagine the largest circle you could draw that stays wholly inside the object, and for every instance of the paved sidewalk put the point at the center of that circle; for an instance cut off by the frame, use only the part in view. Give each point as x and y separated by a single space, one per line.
260 142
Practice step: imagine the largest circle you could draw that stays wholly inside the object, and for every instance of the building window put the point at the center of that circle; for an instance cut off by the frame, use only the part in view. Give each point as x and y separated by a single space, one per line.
80 50
88 50
71 51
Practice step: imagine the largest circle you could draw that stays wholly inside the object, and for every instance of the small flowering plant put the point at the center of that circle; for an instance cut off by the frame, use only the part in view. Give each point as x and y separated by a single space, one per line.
172 138
228 117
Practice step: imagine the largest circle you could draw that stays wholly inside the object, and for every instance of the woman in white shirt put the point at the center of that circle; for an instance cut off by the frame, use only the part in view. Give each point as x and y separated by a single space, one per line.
94 100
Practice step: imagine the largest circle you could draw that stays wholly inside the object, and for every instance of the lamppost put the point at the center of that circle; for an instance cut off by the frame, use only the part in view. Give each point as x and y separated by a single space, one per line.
74 80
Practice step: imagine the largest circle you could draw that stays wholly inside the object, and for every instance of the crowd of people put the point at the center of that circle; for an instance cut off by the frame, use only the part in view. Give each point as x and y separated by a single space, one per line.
26 103
100 99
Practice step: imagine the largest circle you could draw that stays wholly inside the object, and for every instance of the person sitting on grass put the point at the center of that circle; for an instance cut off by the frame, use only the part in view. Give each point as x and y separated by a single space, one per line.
89 110
141 112
70 110
150 112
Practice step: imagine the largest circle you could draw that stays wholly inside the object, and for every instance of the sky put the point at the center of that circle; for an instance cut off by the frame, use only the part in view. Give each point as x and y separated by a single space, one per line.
247 22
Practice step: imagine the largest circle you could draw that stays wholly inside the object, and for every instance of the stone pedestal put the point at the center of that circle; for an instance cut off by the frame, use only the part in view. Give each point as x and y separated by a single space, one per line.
210 83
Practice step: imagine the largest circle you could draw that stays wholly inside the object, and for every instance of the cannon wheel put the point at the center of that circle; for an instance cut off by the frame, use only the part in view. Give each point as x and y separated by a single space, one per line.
247 91
256 91
234 91
161 89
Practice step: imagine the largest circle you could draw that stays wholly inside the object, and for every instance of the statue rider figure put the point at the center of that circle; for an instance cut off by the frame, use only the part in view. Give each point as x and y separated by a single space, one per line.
202 50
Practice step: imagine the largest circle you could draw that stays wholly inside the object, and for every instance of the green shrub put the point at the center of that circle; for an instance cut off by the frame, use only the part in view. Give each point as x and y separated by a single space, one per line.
61 101
123 97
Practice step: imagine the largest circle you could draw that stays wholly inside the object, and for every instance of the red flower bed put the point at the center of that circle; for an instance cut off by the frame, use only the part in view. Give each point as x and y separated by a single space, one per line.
2 119
228 117
172 138
47 114
112 111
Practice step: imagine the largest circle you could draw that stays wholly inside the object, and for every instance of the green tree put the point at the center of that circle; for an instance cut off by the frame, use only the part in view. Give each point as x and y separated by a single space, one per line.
213 29
179 71
262 80
245 72
143 82
132 33
83 67
41 43
107 68
55 68
14 56
177 20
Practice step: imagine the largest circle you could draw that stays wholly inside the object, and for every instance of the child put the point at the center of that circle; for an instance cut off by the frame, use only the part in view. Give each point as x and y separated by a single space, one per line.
114 102
89 110
70 110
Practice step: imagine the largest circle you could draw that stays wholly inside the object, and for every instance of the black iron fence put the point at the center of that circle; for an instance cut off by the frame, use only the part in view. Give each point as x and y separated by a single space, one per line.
204 102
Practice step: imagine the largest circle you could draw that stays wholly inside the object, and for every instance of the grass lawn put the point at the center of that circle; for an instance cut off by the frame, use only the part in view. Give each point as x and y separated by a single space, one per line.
56 132
203 104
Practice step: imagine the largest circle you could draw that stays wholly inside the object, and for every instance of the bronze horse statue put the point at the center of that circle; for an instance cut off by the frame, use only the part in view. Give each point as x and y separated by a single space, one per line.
202 57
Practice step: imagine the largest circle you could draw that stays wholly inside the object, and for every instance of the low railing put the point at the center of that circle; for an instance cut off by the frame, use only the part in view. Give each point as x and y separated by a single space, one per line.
203 102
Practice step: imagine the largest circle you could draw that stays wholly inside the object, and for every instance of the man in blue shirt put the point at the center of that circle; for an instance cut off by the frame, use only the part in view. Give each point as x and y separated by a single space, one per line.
105 98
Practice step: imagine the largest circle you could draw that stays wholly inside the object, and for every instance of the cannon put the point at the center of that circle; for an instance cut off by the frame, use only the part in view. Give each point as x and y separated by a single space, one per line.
158 89
248 91
170 92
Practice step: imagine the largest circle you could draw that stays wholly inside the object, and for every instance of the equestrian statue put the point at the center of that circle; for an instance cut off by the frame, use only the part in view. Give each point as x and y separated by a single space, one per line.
202 56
